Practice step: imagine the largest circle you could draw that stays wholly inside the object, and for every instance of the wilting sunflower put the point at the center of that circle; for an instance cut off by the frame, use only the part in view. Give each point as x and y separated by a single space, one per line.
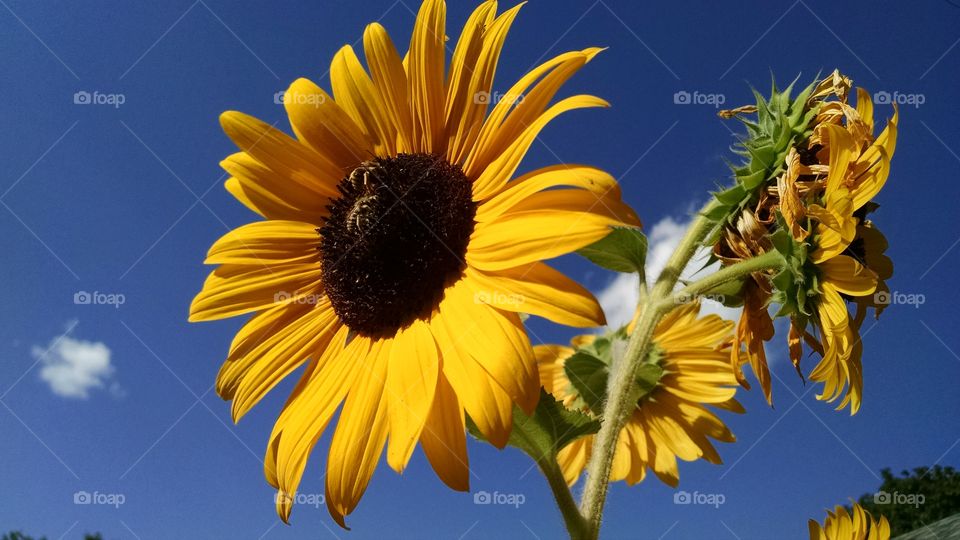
822 197
857 169
397 253
687 369
857 525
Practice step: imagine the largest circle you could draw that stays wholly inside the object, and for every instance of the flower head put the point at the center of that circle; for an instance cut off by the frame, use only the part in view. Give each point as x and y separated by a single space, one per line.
397 251
857 524
813 209
687 370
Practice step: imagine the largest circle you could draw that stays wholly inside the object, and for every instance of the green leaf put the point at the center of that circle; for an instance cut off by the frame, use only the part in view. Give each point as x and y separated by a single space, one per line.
623 250
550 428
588 374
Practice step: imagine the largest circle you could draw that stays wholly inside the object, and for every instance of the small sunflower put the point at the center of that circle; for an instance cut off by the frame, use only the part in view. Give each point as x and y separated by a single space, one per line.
856 525
688 369
396 253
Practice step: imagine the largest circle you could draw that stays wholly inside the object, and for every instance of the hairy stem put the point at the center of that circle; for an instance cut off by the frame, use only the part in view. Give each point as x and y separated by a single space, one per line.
576 526
619 405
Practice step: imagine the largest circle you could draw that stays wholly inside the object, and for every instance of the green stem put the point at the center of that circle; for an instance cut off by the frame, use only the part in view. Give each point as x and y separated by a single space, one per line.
624 371
576 526
767 261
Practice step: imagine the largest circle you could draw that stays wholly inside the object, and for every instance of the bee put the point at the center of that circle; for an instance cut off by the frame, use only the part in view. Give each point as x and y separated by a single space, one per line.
361 213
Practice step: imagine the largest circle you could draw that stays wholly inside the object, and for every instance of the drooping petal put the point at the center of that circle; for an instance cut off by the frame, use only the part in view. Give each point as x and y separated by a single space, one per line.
360 435
411 383
849 276
282 352
444 439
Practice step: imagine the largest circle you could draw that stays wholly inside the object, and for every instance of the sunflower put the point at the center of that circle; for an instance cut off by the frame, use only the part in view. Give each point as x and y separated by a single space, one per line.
396 253
822 198
857 170
856 525
688 368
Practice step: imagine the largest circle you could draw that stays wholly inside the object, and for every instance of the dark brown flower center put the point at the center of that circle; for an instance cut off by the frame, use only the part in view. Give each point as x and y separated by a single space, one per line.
394 239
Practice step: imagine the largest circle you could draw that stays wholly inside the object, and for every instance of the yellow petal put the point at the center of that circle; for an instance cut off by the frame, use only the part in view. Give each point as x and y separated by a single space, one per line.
281 154
305 417
249 337
582 176
320 122
282 352
459 105
237 289
444 439
491 180
848 276
267 242
494 339
356 93
425 75
269 194
538 290
463 129
411 383
390 79
360 436
490 408
497 132
524 237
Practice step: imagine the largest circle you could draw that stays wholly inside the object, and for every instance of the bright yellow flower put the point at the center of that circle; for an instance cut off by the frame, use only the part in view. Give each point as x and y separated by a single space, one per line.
671 420
858 525
397 253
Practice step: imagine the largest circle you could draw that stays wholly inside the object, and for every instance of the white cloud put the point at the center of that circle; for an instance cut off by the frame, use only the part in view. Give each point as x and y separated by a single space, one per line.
619 298
73 367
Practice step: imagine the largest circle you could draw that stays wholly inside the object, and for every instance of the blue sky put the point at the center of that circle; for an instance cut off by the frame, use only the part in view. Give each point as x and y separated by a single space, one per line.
124 199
